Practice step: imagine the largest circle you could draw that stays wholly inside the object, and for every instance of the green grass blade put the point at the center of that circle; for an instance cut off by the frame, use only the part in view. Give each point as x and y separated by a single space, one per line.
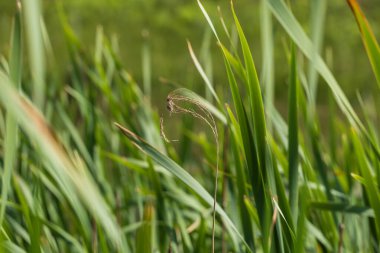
317 21
208 20
202 73
181 174
301 222
254 95
11 131
368 180
259 133
268 66
293 137
9 246
32 19
295 31
369 40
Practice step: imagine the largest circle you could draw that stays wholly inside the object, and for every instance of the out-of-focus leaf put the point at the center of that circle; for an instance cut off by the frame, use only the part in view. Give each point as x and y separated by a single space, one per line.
369 40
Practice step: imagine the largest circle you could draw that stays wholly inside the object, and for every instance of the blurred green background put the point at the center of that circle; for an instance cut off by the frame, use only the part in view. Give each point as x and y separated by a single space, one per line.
170 23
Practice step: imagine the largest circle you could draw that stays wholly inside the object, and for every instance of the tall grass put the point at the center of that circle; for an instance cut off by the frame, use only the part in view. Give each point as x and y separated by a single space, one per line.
71 182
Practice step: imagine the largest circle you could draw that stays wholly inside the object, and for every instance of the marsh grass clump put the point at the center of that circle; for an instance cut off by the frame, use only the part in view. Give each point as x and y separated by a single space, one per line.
71 183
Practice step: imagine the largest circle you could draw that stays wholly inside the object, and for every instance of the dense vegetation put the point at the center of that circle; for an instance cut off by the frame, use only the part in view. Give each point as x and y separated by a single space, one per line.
89 165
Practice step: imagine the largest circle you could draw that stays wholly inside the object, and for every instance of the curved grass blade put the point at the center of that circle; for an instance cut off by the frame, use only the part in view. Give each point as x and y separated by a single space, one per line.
296 32
259 134
181 174
255 96
369 40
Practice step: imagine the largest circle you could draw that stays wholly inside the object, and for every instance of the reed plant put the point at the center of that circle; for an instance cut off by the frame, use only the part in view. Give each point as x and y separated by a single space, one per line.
88 163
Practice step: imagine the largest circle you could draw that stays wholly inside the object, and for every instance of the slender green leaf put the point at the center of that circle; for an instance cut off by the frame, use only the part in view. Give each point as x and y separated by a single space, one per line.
369 40
368 180
293 136
11 131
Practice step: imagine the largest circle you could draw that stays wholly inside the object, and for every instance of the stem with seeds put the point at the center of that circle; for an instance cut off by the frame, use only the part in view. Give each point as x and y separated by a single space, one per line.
172 105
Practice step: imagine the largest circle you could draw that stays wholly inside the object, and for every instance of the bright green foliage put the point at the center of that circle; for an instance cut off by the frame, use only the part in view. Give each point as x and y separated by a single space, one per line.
369 40
87 165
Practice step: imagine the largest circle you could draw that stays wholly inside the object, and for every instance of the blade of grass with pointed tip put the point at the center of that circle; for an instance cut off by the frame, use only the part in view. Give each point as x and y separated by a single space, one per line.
255 96
11 134
248 143
234 62
181 174
296 32
369 40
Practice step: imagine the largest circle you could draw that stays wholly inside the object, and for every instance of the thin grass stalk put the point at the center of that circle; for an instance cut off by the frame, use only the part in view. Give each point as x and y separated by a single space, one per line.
318 14
268 71
293 136
32 21
146 65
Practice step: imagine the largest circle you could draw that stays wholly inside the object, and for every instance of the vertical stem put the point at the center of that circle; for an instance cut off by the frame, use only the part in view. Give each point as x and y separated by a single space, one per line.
33 17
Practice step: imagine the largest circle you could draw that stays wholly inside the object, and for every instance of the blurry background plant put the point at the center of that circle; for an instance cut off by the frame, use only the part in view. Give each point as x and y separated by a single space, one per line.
299 169
181 20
